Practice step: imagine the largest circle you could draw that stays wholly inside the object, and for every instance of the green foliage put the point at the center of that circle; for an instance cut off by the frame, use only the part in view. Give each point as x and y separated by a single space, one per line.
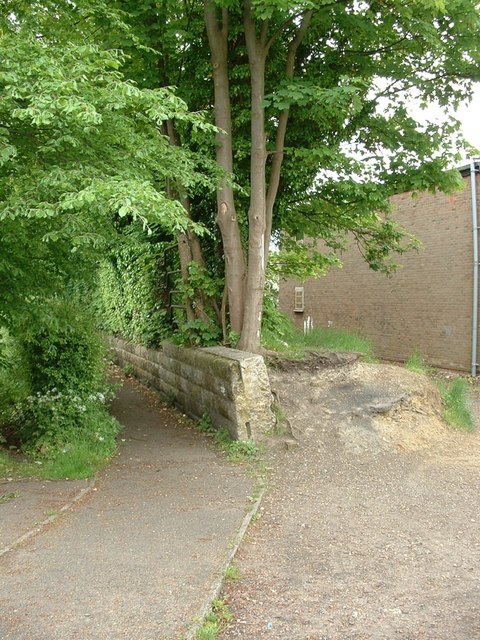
454 393
242 450
130 292
235 450
65 353
56 408
457 411
204 425
279 334
198 333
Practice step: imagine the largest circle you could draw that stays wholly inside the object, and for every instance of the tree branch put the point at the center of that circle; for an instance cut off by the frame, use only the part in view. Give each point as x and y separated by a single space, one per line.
282 130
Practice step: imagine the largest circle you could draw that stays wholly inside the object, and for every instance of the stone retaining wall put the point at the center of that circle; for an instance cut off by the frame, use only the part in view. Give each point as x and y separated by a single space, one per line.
231 386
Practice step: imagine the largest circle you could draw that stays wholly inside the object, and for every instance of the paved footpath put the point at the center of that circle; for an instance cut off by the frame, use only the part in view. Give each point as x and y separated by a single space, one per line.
137 554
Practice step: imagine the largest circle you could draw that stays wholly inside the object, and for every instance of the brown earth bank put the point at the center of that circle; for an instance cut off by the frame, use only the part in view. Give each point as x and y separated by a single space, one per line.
370 527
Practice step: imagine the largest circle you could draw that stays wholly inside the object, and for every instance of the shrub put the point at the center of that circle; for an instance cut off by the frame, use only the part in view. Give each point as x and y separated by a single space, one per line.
64 353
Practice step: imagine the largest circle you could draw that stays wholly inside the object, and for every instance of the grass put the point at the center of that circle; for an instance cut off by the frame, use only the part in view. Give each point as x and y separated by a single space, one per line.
79 461
235 450
7 497
214 621
338 340
232 573
295 344
456 413
417 364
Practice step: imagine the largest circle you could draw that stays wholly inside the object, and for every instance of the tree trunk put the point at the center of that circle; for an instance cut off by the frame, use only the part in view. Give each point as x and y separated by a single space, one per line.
189 249
252 323
226 214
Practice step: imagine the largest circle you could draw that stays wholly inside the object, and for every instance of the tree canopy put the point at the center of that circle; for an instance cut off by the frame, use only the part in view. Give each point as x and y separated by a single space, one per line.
314 130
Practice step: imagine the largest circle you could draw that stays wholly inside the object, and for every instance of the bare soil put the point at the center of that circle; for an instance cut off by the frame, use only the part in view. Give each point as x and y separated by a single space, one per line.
370 527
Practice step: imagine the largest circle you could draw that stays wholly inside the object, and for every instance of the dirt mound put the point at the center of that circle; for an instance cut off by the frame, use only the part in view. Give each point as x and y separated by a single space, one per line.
368 407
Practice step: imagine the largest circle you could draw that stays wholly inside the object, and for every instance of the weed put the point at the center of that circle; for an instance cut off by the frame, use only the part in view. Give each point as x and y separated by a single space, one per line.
204 425
232 573
215 620
170 399
50 512
235 450
281 420
241 450
129 370
339 340
417 364
457 412
7 497
222 438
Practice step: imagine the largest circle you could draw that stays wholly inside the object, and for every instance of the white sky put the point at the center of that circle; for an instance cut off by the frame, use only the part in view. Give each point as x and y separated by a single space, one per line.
469 115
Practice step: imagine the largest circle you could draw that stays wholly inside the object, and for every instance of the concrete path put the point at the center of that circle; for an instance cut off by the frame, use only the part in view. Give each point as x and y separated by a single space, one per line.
136 557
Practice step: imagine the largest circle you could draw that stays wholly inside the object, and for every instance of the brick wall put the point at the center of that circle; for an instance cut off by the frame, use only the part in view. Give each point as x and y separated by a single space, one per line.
426 305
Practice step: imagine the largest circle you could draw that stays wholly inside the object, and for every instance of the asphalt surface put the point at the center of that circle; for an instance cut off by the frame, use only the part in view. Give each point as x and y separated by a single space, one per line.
135 553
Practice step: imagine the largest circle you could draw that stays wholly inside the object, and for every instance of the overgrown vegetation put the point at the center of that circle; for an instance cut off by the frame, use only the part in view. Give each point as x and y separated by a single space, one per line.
279 334
54 399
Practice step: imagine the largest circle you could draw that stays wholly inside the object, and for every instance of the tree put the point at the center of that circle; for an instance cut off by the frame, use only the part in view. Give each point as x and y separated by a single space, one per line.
80 149
311 100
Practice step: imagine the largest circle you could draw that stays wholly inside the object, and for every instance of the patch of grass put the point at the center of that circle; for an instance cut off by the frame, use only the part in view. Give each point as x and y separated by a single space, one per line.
79 461
293 343
235 450
232 573
417 364
281 425
129 370
339 340
457 412
214 621
12 467
76 460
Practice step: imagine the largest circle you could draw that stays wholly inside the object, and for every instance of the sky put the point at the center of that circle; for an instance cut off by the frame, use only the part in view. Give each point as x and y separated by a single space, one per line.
469 115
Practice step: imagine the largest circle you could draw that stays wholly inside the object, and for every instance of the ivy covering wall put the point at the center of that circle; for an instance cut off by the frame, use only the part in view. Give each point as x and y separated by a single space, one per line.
131 296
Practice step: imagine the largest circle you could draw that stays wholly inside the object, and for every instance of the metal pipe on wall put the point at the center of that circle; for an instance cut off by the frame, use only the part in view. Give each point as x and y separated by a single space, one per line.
473 184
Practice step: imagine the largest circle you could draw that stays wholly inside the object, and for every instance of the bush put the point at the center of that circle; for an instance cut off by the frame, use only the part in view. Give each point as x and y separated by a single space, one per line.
66 353
57 410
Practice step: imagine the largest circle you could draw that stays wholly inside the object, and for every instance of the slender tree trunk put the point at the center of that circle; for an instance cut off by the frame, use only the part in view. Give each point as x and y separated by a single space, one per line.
190 250
281 131
257 51
226 214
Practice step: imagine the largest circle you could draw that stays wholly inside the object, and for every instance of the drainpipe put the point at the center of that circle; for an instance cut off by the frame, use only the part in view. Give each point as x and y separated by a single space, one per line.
473 184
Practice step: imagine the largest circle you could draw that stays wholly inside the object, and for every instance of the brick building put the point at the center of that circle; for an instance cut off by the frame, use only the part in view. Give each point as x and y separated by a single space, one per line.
426 305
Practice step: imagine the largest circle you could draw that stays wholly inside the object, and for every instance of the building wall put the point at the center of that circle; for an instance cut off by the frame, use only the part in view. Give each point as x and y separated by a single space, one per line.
426 305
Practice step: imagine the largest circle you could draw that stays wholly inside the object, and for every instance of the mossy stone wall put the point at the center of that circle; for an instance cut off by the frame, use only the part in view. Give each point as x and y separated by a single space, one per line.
231 386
